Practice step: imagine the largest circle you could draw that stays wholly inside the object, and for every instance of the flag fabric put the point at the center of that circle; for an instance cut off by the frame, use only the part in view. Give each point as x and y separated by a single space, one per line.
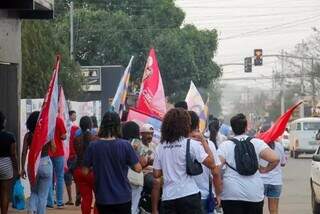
203 117
44 131
196 104
278 128
141 118
151 99
118 102
63 113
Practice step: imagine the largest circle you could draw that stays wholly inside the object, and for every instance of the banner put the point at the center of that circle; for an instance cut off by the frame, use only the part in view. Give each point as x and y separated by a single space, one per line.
63 113
278 128
151 99
196 104
141 118
118 102
44 131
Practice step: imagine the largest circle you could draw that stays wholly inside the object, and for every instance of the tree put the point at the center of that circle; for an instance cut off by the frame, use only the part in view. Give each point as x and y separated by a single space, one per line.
40 44
110 31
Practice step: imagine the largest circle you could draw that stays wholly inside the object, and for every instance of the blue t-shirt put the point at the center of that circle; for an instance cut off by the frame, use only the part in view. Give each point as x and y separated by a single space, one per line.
110 160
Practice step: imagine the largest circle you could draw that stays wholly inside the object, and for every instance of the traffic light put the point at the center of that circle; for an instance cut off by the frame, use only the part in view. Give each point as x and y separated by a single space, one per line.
258 57
248 64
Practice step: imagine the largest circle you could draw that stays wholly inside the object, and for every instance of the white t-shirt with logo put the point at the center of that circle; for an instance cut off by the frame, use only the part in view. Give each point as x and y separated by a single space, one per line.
203 179
274 177
238 187
171 159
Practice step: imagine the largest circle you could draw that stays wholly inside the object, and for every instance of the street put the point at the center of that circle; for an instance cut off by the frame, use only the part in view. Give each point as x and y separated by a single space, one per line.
295 195
296 191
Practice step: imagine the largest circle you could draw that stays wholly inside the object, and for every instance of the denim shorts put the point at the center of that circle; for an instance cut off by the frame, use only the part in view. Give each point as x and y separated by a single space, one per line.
272 191
68 174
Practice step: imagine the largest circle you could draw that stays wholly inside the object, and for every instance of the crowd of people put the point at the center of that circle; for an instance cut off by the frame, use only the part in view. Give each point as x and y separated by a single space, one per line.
118 167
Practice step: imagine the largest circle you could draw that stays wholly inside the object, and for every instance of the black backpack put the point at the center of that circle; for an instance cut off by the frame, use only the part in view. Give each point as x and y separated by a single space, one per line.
245 157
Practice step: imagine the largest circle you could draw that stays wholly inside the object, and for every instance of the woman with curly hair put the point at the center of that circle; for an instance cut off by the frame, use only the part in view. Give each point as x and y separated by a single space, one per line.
180 192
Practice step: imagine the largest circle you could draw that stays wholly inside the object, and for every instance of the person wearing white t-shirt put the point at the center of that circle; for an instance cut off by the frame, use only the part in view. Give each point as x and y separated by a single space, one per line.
204 181
180 191
243 194
273 180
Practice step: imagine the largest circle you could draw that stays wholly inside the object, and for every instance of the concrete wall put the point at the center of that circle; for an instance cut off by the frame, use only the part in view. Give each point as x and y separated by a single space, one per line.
10 71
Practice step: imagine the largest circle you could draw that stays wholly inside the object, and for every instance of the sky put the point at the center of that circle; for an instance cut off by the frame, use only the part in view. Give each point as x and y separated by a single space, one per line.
245 25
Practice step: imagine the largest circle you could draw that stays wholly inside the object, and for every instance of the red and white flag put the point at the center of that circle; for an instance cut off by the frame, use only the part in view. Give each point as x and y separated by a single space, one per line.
152 100
63 113
44 131
278 128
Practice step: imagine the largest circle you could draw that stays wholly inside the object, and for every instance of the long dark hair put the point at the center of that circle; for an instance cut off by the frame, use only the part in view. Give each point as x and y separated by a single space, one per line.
214 127
176 124
86 126
32 121
130 130
110 125
2 120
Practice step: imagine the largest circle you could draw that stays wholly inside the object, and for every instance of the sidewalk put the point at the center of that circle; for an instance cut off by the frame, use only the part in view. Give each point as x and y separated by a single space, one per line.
66 210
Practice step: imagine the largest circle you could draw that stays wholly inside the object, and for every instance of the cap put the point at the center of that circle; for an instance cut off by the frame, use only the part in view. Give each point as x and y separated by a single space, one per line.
147 128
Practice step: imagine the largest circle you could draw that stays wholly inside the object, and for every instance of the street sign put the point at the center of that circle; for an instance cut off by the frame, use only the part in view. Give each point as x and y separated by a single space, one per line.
92 78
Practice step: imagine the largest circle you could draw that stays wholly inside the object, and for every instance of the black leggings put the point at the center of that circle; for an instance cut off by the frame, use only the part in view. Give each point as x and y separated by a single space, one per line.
114 208
242 207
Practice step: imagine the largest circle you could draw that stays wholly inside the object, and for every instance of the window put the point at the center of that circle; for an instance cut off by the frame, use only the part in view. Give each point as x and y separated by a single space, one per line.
311 126
298 126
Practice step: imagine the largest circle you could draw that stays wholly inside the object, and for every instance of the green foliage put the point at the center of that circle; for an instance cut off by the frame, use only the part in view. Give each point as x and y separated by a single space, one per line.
111 31
40 44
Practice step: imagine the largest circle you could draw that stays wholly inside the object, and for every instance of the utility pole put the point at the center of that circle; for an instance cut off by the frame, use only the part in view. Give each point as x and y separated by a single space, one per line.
301 108
313 86
282 82
71 30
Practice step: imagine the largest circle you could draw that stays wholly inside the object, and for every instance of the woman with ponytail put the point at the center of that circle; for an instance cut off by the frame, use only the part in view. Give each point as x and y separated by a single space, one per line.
84 181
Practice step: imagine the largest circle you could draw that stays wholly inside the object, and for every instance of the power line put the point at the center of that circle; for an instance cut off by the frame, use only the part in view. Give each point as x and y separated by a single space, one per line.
283 25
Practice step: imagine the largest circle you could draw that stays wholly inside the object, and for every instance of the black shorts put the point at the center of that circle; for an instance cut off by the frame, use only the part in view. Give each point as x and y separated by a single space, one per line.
242 207
114 208
187 205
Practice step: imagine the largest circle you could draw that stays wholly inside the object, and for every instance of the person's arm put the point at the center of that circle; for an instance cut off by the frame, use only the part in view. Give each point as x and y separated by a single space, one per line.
270 156
215 171
24 153
132 159
14 159
199 137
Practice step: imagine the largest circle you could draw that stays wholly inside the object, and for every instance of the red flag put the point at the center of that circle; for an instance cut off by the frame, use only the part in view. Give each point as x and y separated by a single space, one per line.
278 128
63 113
44 131
142 118
151 99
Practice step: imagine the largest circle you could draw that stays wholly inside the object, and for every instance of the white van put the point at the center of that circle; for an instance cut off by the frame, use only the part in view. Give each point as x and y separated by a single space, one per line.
303 136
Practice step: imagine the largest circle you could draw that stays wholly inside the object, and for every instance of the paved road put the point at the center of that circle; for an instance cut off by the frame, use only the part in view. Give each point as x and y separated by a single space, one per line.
296 192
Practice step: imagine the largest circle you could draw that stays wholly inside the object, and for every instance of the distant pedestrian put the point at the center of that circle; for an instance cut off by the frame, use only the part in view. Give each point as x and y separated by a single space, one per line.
242 183
85 182
273 180
180 192
95 128
57 158
40 190
8 163
181 104
72 159
110 157
214 135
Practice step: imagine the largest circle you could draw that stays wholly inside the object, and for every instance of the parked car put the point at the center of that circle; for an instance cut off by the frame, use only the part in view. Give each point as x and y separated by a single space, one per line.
315 182
302 138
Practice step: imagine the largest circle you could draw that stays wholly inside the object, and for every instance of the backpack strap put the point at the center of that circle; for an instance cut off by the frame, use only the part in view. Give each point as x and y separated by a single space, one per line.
188 149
